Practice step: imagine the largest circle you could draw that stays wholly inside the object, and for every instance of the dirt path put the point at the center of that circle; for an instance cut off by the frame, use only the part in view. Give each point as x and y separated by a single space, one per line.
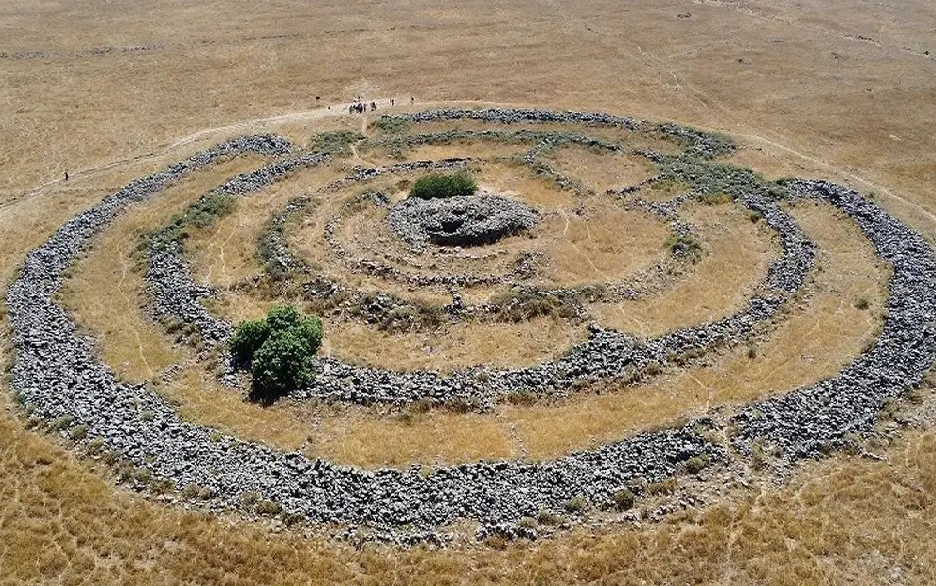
255 124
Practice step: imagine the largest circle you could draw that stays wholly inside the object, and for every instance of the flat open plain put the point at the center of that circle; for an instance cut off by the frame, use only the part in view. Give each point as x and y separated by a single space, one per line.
842 90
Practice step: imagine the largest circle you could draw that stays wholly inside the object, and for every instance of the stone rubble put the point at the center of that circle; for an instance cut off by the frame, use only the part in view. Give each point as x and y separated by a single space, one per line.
58 376
605 355
469 220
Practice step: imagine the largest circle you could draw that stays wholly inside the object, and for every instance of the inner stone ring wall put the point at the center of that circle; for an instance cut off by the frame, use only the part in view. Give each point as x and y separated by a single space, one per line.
58 376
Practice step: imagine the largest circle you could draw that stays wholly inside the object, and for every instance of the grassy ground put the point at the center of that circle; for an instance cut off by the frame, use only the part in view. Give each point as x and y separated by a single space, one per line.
131 343
736 253
844 520
823 332
601 171
838 89
226 253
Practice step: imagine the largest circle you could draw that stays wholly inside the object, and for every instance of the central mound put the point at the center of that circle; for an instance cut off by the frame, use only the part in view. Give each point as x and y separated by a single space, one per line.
465 220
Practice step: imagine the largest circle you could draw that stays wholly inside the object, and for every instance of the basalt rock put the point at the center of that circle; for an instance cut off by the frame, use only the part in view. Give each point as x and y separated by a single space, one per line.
56 373
469 220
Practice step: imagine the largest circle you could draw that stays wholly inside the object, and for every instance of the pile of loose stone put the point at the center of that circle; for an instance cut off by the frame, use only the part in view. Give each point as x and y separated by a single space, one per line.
57 375
465 220
174 293
605 355
701 143
522 267
386 308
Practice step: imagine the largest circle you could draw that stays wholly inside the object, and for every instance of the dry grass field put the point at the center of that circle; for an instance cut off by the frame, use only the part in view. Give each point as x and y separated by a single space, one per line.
110 91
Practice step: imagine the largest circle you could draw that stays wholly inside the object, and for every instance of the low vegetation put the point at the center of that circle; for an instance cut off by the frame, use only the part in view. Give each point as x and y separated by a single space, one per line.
337 142
441 185
684 246
278 350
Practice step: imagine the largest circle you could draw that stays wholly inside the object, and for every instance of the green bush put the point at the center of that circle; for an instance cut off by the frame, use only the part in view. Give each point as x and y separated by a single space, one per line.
547 517
248 337
576 504
684 245
435 185
695 464
278 349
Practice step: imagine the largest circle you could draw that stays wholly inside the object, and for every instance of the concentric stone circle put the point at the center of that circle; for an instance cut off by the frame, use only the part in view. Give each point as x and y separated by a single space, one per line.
58 376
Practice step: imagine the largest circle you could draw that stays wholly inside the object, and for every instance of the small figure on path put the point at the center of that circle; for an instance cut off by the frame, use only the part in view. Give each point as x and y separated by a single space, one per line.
66 174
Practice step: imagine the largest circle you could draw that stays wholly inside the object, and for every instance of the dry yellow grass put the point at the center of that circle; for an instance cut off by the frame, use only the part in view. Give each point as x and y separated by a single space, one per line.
106 292
799 80
226 253
603 245
453 346
807 347
662 191
358 436
844 520
601 171
200 398
736 253
813 343
580 249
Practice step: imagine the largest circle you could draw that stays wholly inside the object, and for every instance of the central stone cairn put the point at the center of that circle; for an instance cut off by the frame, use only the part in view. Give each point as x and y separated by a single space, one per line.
464 220
59 379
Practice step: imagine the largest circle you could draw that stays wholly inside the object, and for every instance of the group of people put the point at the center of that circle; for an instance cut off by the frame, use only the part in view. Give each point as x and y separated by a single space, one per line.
360 107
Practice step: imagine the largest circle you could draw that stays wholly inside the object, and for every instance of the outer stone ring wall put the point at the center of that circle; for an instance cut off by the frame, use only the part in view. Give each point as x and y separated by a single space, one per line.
57 374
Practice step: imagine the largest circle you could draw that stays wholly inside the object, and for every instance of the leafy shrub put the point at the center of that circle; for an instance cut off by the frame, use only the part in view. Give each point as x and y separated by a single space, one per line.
248 337
209 208
438 185
863 303
278 350
281 364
